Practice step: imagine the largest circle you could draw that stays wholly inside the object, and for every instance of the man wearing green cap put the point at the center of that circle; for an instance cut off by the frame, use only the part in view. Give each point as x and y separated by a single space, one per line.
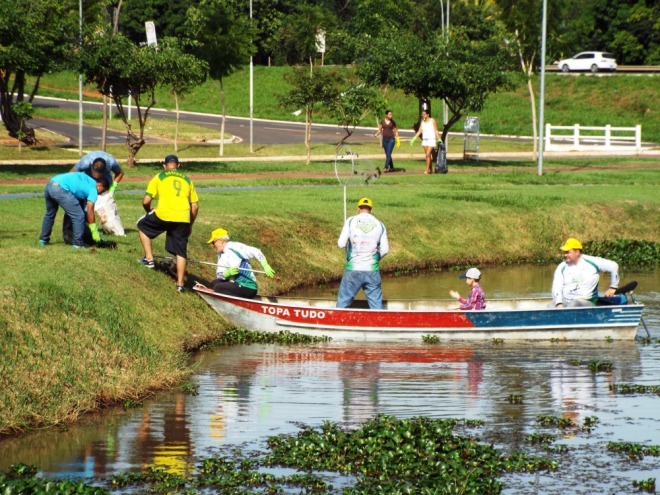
576 278
235 275
365 240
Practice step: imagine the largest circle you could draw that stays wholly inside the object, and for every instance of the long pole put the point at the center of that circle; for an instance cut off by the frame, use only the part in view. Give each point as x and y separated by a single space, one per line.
80 90
542 92
251 89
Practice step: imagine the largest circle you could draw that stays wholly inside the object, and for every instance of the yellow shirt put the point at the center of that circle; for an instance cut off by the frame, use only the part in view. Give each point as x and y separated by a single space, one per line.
175 193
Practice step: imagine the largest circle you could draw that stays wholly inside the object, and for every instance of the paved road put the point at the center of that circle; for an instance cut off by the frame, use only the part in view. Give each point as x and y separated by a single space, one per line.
264 131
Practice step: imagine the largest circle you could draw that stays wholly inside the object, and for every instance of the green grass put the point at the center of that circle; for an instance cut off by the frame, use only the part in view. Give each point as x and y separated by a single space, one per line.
621 100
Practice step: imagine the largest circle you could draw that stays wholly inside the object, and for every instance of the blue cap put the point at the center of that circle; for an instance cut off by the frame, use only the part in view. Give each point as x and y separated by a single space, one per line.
171 158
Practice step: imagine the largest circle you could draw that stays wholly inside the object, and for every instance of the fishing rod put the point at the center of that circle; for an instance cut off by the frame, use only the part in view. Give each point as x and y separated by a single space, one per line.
210 264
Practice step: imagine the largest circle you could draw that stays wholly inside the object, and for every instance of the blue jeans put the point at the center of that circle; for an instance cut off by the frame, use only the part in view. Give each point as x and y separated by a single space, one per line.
353 281
55 197
388 146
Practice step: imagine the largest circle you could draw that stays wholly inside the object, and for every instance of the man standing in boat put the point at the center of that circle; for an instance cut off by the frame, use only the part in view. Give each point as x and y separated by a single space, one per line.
576 278
365 240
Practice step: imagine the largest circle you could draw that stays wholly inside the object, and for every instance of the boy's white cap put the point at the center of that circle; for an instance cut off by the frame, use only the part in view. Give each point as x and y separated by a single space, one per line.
473 273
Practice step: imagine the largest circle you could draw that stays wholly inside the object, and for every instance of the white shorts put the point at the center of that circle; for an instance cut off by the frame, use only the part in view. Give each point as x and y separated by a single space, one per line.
430 142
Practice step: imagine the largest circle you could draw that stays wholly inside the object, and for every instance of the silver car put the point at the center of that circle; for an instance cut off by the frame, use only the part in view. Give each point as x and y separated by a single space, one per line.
592 61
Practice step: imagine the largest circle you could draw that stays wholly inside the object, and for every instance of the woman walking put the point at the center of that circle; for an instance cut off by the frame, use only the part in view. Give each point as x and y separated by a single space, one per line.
430 137
390 132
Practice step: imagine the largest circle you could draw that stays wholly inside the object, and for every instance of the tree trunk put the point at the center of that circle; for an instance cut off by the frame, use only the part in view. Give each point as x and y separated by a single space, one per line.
528 69
222 120
176 127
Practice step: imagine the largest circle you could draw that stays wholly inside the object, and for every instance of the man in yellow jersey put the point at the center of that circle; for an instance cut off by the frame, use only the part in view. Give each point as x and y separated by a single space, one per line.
175 214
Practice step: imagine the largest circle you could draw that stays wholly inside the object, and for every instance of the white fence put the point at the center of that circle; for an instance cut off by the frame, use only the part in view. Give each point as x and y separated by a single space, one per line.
607 138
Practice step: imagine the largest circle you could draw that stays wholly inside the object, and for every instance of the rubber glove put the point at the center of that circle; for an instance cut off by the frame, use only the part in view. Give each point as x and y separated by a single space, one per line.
112 188
93 228
398 141
230 272
267 268
413 140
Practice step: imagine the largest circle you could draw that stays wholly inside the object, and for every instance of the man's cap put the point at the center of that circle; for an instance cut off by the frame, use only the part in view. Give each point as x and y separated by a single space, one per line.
571 243
473 273
171 158
365 202
217 234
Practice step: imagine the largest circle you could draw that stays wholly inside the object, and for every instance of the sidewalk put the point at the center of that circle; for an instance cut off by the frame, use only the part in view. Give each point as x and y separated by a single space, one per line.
646 153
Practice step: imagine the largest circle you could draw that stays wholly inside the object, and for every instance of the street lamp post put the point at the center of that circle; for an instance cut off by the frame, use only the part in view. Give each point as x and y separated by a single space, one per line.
542 91
80 89
251 87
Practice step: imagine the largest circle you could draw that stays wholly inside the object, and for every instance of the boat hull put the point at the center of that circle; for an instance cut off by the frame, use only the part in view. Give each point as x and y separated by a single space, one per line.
523 319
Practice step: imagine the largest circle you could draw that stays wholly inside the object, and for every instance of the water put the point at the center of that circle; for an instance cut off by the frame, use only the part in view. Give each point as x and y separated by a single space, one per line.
248 393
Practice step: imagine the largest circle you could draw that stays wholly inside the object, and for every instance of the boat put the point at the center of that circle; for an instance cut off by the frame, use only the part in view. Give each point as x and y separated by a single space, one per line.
406 319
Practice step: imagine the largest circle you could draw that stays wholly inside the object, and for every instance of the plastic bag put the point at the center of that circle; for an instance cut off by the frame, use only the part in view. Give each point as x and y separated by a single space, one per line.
105 209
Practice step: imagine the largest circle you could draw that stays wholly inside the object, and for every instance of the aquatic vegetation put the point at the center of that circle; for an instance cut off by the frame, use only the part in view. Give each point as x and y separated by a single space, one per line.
132 403
498 341
22 479
632 388
390 455
635 451
556 340
556 449
241 336
589 423
189 388
575 362
597 366
555 421
647 485
544 438
515 399
609 339
430 339
626 252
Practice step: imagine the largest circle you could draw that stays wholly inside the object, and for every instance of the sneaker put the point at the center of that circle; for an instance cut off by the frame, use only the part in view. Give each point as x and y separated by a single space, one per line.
74 247
43 243
180 288
146 262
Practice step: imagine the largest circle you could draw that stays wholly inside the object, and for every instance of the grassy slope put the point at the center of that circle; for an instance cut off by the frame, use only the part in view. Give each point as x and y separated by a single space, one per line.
81 329
621 100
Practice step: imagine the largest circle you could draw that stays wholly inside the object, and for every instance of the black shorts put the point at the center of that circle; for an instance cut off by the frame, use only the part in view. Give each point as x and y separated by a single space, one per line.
176 241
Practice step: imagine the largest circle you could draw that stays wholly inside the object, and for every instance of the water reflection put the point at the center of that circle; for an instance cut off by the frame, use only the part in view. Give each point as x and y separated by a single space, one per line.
248 393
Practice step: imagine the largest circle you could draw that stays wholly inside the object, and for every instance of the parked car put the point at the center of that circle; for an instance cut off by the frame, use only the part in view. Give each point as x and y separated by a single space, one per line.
593 61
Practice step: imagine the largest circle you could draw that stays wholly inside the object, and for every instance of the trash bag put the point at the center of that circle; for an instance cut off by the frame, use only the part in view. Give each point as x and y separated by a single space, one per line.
105 210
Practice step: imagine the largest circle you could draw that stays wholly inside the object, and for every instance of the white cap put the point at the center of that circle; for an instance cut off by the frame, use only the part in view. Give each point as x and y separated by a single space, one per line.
473 273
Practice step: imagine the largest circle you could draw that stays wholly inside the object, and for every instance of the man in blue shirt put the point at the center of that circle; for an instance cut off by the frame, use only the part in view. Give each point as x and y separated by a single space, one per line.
73 191
93 160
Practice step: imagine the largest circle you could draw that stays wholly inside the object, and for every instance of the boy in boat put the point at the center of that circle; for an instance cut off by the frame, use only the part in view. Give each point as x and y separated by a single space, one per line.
476 299
235 276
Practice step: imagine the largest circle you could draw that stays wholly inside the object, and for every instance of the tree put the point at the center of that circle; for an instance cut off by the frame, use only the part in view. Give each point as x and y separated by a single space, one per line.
310 89
223 38
299 33
120 68
460 69
181 72
523 20
353 105
36 36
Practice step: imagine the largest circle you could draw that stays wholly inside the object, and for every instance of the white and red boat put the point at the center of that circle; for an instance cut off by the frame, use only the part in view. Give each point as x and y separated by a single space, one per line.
523 319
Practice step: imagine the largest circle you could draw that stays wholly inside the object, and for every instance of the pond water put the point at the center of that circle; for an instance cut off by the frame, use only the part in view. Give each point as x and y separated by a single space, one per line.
250 392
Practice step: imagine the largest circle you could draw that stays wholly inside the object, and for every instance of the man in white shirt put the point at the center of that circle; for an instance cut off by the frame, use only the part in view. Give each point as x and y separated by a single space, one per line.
576 278
365 240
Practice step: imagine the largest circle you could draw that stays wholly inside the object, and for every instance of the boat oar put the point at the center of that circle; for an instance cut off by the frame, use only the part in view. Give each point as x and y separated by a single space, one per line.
209 263
632 298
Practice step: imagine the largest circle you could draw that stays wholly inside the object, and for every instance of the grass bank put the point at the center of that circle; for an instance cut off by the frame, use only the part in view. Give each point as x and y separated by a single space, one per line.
619 100
79 330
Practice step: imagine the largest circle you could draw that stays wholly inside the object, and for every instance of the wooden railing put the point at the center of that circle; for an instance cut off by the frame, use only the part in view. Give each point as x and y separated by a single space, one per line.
577 137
